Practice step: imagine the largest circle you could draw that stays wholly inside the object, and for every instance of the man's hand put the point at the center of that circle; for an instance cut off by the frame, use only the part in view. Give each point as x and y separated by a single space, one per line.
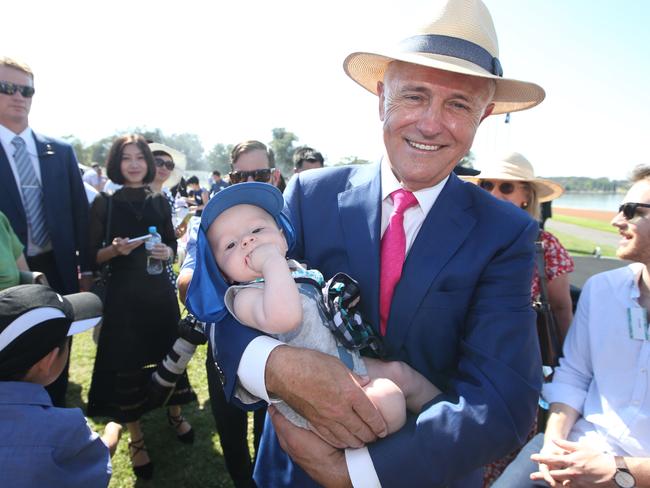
325 464
321 389
575 465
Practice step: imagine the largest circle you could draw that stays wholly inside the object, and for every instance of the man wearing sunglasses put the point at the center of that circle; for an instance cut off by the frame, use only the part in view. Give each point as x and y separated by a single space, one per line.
598 429
249 161
253 161
42 194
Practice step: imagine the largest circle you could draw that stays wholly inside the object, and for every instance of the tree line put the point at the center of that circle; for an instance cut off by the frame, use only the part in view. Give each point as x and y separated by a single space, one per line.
585 184
283 143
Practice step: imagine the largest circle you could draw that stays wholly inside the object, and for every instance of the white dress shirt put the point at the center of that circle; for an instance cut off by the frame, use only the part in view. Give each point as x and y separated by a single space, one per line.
604 372
6 136
253 361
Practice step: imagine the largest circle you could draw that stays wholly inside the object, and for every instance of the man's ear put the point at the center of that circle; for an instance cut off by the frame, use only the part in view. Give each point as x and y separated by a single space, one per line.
381 98
487 112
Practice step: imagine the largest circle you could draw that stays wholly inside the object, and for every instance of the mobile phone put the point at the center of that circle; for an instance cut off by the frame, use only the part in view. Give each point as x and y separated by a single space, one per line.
141 238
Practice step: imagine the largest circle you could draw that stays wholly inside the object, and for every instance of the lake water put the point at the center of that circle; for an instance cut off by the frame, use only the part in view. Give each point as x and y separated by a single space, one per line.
591 201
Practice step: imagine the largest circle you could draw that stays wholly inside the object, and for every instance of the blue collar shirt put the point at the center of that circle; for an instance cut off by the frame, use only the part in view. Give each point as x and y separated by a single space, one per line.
43 446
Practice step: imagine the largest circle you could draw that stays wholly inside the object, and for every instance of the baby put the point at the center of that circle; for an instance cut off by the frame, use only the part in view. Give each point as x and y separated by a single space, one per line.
248 238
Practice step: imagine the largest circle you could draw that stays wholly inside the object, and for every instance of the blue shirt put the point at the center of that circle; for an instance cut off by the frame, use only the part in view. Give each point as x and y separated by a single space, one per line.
45 446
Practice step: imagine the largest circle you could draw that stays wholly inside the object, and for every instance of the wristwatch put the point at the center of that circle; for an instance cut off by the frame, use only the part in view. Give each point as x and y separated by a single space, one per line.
623 478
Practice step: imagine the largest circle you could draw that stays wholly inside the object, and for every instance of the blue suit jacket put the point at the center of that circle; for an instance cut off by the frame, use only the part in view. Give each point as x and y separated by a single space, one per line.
460 315
66 207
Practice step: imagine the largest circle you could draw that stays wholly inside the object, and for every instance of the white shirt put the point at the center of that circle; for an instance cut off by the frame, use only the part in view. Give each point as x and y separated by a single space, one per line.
253 361
92 177
604 372
6 136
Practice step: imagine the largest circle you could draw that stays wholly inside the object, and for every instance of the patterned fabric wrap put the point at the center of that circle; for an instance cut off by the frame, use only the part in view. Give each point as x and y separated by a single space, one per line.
341 295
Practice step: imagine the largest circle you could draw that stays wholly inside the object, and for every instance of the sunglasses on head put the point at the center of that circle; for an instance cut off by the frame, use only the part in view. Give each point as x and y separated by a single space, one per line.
11 88
261 175
630 209
160 162
505 187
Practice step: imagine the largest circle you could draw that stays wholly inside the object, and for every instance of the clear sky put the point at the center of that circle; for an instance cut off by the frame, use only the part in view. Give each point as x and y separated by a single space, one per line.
230 71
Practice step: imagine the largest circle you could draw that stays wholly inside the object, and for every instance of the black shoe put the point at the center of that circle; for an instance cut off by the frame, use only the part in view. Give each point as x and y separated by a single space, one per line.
175 421
144 471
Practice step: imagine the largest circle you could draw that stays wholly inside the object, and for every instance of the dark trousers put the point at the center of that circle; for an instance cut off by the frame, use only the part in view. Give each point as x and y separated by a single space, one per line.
232 426
46 264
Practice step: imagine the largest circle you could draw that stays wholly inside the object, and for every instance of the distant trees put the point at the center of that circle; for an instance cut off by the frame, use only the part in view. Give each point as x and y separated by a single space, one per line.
283 143
283 148
585 184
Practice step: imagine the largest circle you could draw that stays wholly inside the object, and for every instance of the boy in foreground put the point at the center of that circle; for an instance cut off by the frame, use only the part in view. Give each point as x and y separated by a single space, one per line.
42 445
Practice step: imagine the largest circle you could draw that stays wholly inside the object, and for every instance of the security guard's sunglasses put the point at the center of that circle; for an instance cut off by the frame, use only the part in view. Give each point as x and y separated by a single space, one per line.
11 88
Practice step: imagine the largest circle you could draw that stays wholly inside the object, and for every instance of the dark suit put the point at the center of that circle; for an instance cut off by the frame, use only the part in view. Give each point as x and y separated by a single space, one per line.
66 215
460 315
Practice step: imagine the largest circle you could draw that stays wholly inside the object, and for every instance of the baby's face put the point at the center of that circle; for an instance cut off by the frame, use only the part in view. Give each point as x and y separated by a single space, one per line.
236 233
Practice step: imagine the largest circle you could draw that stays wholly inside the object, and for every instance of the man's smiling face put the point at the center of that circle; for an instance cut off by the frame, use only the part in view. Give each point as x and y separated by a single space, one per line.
430 118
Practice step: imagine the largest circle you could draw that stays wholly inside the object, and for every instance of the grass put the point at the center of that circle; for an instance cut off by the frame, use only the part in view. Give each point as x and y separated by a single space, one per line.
582 247
583 222
176 465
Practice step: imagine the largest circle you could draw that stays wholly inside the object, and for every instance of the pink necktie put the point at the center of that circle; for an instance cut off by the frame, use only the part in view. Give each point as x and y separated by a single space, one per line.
393 252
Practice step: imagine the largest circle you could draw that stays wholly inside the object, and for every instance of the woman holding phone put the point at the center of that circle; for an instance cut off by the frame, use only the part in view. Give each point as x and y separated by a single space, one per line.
140 310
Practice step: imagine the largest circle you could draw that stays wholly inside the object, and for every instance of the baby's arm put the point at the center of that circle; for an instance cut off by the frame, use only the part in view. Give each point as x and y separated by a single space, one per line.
418 391
276 308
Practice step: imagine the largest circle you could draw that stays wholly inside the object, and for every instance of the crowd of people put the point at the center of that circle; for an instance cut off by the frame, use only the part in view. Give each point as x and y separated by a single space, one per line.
377 318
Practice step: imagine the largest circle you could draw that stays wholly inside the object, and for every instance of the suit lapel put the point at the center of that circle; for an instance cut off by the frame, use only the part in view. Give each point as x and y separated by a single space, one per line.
444 230
8 182
360 217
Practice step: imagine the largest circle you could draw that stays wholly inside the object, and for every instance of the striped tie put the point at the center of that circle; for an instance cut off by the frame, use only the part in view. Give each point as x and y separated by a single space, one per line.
32 194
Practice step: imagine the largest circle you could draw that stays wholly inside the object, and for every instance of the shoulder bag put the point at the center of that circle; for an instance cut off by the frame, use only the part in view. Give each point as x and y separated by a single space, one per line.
547 330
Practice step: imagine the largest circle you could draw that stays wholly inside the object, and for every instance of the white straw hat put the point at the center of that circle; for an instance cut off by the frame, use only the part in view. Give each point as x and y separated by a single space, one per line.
461 39
515 167
180 162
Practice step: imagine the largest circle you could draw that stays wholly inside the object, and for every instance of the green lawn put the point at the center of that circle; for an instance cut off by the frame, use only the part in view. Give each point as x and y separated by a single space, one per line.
590 223
176 465
582 247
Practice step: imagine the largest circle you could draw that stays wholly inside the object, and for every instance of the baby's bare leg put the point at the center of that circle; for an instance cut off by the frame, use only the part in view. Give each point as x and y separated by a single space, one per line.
416 388
389 400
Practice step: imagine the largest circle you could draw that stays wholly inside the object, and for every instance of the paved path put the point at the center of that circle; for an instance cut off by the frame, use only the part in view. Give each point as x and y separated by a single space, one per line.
598 237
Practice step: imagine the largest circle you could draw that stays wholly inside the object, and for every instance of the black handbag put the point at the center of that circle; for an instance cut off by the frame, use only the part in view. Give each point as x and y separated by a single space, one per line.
100 282
547 330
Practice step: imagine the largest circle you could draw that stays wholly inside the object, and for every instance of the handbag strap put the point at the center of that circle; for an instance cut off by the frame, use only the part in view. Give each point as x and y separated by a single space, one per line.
107 225
541 271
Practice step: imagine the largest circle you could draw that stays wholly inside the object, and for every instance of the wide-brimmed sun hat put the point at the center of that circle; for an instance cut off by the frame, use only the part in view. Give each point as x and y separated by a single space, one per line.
460 38
180 162
515 167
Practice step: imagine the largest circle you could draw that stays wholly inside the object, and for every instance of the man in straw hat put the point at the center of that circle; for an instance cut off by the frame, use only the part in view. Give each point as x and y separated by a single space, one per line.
444 271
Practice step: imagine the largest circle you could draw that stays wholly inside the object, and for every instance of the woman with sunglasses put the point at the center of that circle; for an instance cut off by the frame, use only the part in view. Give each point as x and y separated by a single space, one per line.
140 310
513 179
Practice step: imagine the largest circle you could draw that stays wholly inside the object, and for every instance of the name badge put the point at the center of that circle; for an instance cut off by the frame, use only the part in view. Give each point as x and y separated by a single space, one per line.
637 321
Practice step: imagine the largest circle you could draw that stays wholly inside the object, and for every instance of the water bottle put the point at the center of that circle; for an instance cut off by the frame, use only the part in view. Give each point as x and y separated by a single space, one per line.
180 210
154 266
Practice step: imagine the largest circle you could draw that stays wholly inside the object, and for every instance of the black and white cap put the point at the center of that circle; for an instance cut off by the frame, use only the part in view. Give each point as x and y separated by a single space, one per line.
34 319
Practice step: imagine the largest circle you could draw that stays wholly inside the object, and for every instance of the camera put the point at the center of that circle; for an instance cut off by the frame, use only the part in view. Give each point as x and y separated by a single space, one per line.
191 334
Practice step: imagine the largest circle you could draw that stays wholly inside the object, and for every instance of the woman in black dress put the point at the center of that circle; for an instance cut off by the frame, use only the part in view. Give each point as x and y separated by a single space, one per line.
141 310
